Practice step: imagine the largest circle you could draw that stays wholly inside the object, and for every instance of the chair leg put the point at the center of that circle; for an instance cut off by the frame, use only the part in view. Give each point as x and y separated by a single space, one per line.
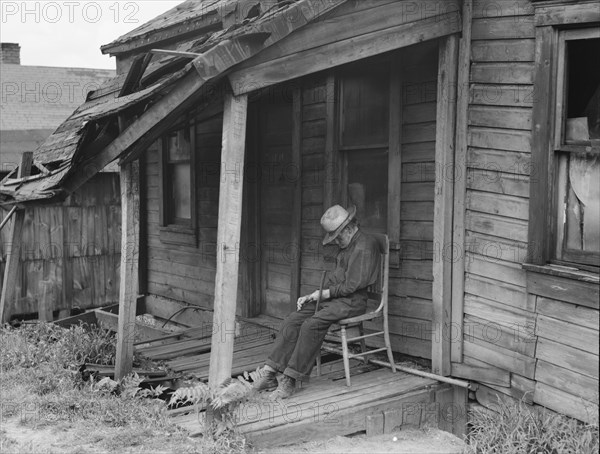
345 354
363 344
388 345
319 363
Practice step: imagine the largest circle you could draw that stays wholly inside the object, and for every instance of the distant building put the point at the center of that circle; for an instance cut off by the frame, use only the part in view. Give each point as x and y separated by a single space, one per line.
35 100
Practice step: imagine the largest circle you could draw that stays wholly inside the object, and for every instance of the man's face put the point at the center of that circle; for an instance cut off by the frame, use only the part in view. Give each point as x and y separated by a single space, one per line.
343 239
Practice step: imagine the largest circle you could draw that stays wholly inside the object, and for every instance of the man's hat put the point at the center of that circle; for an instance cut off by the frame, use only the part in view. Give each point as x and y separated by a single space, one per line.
334 220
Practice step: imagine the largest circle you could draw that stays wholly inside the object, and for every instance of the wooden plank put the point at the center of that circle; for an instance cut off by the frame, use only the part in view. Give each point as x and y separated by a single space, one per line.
542 133
517 10
500 139
129 270
8 297
498 182
498 204
230 219
395 150
565 403
567 333
519 339
566 379
521 321
502 73
489 375
492 248
344 51
571 358
500 357
136 331
374 424
296 221
332 169
460 183
443 207
493 399
518 163
495 290
492 267
568 312
518 27
559 288
513 50
562 14
517 118
502 95
499 226
166 308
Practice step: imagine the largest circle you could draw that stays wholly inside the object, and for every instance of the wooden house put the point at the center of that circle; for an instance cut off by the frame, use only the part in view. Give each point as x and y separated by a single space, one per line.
55 273
465 130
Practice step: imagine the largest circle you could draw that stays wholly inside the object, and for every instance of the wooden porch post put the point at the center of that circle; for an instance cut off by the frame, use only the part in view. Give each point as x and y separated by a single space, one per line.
7 299
129 279
228 237
443 206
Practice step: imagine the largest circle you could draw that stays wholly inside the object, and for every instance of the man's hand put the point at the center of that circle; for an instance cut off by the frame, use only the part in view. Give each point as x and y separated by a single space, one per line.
314 296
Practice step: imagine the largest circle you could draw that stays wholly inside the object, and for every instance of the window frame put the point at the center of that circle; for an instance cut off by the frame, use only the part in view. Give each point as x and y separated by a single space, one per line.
548 146
177 231
392 145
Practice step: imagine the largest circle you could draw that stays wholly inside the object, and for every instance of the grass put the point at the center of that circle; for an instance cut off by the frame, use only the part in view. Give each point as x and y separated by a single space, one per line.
521 429
44 395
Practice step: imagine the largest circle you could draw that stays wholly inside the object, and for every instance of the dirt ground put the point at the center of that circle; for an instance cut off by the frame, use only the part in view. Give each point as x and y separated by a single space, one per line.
18 439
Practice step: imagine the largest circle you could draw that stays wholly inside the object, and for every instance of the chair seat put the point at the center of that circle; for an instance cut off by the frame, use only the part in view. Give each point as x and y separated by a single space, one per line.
360 318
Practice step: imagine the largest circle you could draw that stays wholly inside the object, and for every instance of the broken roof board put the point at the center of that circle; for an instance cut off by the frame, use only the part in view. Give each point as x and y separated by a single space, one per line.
220 52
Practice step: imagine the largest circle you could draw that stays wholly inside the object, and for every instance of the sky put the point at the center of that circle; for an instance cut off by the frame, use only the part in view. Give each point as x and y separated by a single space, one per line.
70 33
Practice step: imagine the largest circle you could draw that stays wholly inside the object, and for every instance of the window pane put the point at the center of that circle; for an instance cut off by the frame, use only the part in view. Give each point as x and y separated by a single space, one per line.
181 204
365 107
179 146
368 187
582 220
583 90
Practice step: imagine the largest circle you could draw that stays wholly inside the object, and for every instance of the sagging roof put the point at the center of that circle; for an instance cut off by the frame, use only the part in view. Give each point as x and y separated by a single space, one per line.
153 92
189 17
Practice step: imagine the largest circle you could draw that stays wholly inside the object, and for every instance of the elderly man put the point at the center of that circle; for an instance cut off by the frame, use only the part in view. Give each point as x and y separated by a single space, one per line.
301 335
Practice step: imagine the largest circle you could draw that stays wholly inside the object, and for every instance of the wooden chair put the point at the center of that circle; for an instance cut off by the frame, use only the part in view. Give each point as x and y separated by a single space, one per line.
351 330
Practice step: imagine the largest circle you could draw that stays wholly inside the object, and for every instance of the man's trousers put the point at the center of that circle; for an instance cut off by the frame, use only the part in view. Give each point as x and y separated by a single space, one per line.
302 333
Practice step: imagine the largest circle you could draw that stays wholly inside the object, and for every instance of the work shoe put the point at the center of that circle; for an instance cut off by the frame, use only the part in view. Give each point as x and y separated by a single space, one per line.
287 386
266 380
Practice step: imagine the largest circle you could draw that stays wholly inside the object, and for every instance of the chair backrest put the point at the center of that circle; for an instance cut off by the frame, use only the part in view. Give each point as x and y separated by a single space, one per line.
380 288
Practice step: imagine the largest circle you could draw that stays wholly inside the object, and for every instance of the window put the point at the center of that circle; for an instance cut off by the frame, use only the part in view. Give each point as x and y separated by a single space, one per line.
577 135
177 176
568 198
363 139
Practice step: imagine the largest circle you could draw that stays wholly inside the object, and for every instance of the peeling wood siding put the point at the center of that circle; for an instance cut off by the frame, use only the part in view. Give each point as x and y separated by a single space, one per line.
507 325
70 254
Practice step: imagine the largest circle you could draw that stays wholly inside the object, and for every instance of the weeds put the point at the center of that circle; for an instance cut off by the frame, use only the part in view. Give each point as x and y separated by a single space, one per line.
521 429
41 387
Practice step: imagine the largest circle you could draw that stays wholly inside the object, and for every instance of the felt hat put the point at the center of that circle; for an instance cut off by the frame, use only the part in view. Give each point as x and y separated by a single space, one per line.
334 220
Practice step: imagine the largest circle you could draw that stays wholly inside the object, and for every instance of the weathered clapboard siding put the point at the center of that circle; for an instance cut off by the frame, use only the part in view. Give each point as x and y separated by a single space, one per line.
70 253
499 318
547 338
186 272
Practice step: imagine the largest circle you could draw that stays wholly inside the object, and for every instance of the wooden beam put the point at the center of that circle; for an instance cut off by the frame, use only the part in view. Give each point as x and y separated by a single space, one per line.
541 159
443 198
395 150
348 50
129 286
184 95
331 157
297 208
7 218
460 183
228 237
8 297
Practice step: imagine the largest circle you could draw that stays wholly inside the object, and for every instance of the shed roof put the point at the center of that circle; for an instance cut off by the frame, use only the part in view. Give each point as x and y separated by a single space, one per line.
87 140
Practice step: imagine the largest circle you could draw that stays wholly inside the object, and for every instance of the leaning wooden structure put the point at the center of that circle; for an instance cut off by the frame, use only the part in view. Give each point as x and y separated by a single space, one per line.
237 123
